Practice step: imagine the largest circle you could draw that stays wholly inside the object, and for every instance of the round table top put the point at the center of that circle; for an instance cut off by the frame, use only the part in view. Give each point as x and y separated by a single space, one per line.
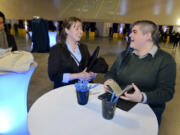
58 113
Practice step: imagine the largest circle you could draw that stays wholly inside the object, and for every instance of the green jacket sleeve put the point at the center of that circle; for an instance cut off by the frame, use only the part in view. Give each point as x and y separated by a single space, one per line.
165 83
113 71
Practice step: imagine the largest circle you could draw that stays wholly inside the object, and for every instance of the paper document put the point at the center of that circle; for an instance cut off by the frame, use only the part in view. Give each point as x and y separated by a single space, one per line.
114 87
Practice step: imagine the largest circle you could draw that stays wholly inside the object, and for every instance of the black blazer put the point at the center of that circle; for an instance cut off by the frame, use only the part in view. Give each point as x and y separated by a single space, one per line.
60 62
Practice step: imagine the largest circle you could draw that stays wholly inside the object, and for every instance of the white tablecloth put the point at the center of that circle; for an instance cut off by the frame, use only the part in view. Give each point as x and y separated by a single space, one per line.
58 113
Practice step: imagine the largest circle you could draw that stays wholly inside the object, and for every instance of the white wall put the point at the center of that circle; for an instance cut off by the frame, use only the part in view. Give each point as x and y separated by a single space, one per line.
103 29
100 28
176 28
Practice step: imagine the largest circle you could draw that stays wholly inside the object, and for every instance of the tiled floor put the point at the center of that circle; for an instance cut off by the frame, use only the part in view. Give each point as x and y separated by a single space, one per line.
41 84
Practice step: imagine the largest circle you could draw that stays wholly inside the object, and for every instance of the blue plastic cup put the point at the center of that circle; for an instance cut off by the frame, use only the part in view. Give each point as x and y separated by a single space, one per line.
108 109
82 97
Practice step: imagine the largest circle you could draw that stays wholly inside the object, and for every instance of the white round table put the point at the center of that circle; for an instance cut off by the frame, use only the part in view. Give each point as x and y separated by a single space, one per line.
58 113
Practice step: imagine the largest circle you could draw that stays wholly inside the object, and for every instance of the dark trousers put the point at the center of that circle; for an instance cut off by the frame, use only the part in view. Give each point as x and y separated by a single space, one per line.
159 118
158 110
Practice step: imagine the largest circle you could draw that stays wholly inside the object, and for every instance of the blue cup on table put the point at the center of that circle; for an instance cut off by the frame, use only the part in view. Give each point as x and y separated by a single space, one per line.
82 91
108 109
109 106
82 97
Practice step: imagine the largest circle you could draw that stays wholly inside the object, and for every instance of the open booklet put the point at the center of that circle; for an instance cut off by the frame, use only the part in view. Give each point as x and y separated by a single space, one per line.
114 87
121 104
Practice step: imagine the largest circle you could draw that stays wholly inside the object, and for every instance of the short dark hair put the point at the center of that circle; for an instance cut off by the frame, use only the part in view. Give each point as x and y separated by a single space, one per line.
67 24
149 26
3 16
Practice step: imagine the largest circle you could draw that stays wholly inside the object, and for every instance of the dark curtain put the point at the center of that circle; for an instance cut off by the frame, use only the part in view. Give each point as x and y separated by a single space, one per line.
115 27
40 36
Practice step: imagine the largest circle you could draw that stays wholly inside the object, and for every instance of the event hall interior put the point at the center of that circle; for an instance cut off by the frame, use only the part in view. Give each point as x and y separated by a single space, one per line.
106 20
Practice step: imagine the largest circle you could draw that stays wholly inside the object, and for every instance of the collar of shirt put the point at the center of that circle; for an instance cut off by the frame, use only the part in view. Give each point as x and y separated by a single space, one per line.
69 46
76 53
152 52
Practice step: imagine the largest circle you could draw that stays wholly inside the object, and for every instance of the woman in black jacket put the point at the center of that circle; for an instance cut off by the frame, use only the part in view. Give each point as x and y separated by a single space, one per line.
68 59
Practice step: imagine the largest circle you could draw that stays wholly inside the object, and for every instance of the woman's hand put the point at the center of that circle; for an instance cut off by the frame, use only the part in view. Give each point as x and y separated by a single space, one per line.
107 82
86 76
135 97
93 75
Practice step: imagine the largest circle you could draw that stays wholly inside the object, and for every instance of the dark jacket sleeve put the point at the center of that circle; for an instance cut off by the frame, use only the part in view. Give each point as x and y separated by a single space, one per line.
11 42
113 71
55 68
166 80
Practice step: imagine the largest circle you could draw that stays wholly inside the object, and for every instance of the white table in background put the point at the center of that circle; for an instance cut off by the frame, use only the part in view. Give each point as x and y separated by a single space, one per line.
13 101
58 113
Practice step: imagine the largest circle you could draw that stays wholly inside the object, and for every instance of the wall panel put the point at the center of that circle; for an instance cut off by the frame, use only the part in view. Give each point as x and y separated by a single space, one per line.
127 11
